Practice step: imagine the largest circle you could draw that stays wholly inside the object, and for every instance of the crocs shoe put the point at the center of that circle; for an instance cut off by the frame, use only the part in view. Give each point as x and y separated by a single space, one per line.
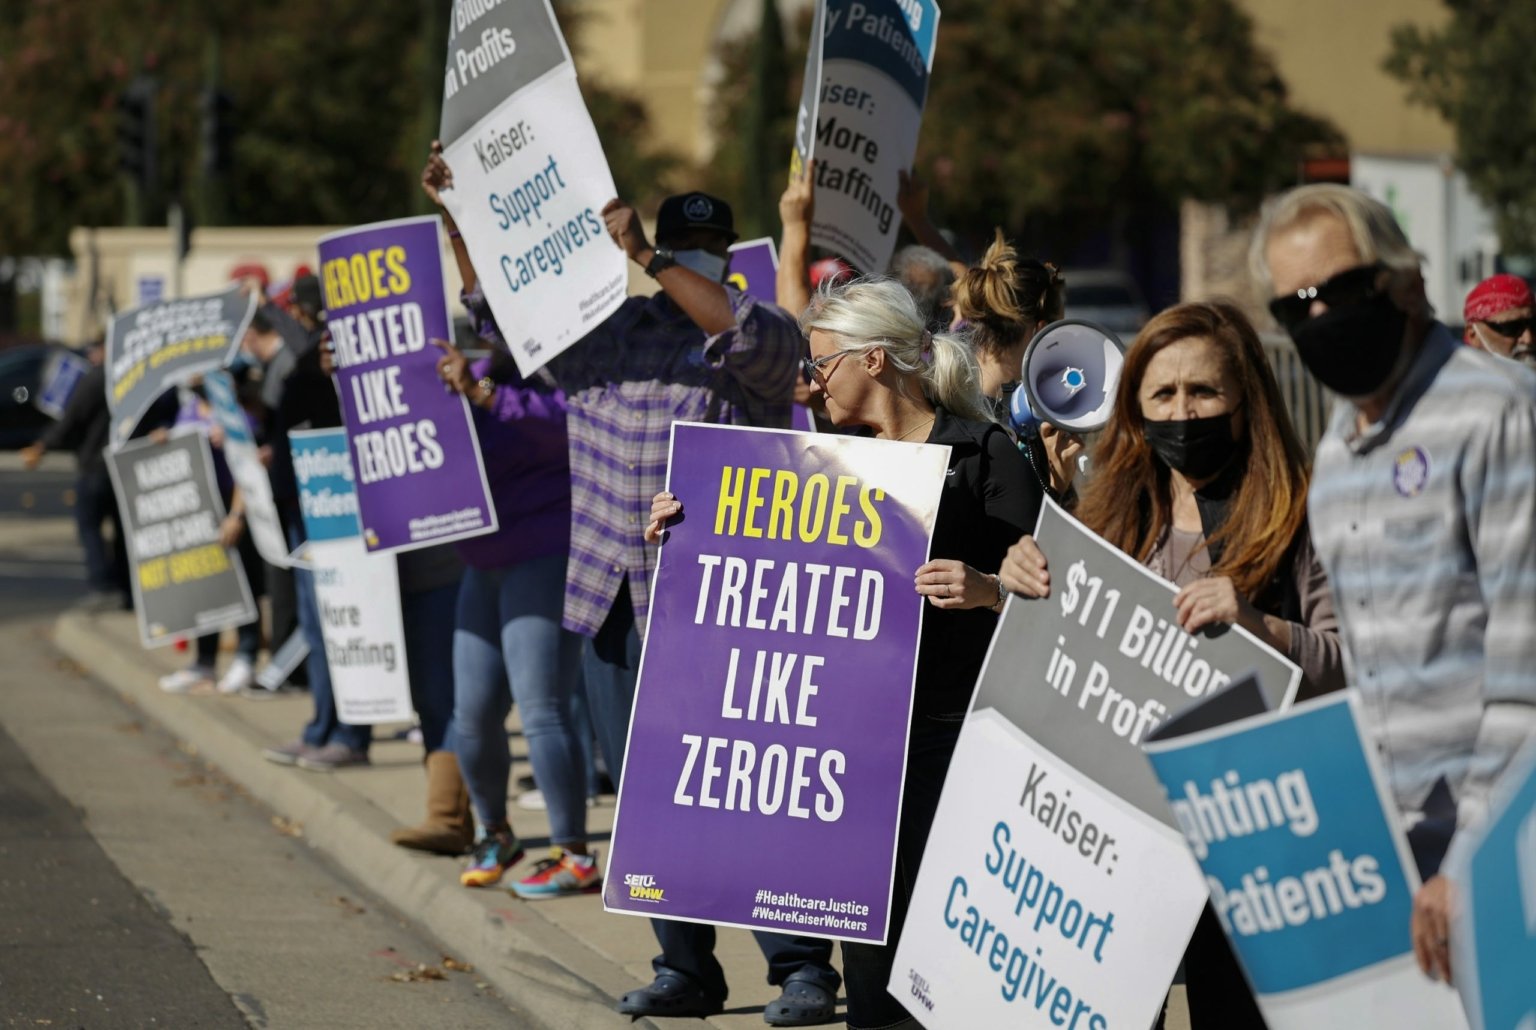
805 1001
670 995
561 873
492 856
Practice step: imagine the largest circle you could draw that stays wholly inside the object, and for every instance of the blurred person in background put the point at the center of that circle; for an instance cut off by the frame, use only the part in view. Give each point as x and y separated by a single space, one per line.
1200 477
1497 318
1422 508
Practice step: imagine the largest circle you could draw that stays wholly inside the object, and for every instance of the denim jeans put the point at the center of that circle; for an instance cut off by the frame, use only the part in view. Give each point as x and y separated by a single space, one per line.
611 664
867 967
507 631
326 726
428 617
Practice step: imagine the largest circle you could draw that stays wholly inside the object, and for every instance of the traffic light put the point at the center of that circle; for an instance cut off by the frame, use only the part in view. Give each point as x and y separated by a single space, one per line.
136 134
218 131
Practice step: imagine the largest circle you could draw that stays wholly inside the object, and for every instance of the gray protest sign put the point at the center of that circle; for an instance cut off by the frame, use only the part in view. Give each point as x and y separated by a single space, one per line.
158 345
1090 670
494 50
185 583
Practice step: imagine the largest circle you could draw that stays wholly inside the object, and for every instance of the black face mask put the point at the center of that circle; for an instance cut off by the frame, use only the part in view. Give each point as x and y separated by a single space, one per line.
1354 349
1197 447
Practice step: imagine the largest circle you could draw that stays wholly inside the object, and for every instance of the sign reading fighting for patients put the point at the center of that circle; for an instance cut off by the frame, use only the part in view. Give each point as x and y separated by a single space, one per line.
1308 870
420 475
530 178
185 582
357 593
156 346
1090 670
1493 869
754 269
775 688
245 466
870 76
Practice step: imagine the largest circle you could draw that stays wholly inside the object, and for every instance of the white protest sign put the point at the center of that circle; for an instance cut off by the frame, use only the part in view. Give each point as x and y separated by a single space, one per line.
358 593
876 56
1308 870
530 178
245 467
1043 901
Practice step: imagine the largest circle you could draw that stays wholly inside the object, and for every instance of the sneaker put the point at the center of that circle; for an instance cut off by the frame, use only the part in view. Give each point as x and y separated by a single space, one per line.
239 676
331 757
561 873
533 801
287 754
492 856
187 681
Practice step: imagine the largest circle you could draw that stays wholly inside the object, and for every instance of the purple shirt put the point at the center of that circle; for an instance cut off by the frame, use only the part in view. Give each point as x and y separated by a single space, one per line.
522 441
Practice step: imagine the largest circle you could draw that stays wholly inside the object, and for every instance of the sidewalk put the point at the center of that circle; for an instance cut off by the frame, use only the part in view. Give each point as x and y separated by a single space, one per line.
564 961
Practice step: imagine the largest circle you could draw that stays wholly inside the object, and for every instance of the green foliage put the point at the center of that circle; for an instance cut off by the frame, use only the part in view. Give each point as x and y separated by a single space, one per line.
334 105
1478 73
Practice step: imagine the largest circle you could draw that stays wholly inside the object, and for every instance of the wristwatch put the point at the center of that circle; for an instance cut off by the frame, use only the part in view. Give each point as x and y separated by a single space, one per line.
662 259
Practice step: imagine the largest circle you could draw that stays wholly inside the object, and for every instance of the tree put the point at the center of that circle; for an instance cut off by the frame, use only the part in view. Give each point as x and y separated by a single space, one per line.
1477 73
1080 112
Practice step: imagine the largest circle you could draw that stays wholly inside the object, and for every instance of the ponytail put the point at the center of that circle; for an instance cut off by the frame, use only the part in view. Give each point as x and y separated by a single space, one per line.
952 380
1004 297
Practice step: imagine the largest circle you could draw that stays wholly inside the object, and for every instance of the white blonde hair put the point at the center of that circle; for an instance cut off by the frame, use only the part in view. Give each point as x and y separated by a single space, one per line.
863 314
1370 223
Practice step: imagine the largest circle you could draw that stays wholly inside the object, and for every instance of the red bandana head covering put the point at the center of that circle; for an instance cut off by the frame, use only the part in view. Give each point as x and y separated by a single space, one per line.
1495 295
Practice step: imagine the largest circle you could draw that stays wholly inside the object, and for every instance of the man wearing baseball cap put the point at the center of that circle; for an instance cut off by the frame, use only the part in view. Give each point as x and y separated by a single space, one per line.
1498 318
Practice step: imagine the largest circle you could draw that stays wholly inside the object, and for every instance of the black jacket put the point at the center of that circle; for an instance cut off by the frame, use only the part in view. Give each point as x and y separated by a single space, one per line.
991 498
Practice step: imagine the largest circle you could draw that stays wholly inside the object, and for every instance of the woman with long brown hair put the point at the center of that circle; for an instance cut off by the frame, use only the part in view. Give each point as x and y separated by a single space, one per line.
1199 476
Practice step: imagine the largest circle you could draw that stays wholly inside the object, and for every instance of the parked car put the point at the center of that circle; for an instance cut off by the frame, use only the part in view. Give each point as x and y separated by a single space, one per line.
1108 297
21 374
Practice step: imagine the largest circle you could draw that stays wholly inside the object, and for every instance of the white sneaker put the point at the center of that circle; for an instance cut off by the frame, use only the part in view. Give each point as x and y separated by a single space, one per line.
533 801
187 680
239 676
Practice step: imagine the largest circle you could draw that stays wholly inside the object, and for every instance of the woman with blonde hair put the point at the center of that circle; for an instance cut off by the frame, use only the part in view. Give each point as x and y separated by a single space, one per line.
876 365
1199 476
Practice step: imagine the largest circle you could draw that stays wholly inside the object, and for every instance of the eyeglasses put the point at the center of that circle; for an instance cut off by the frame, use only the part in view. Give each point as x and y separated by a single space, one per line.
810 368
1351 286
1512 328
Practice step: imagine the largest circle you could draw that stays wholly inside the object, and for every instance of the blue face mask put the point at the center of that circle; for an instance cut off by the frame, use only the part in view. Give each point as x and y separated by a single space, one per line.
710 266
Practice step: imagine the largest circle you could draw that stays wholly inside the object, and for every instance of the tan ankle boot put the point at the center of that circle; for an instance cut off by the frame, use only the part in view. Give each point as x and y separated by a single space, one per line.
448 829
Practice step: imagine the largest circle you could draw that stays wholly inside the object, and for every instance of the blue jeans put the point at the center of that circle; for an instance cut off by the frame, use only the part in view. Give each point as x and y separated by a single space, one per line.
611 664
326 727
507 631
428 619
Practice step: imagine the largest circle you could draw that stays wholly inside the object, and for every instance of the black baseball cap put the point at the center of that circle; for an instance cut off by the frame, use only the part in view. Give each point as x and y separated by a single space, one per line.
694 211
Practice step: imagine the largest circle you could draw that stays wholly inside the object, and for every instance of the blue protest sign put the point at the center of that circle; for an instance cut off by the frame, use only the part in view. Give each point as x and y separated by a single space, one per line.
1308 870
1495 934
327 493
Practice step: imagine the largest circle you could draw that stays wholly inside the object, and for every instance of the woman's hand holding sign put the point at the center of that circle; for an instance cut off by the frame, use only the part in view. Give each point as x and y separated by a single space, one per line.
1024 571
950 583
663 507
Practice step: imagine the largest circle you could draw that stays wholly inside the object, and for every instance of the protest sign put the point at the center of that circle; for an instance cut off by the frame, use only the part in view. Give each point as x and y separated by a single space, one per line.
61 375
156 346
357 593
1308 870
420 476
184 581
1494 935
1070 844
1102 661
754 269
245 467
530 178
875 58
775 688
810 94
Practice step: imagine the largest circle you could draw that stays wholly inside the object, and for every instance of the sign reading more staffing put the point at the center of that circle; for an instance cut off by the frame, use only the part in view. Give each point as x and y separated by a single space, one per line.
775 689
529 178
185 582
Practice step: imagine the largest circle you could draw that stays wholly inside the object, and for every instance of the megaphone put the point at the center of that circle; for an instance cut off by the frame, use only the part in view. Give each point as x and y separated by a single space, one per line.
1070 372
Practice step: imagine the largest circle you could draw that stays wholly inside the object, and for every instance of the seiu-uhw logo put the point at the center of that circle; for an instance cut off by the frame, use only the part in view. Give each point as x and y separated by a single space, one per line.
920 989
643 888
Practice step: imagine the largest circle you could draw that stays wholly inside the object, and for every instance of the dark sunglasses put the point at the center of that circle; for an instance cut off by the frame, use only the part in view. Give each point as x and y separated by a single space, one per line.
1513 327
810 368
1351 286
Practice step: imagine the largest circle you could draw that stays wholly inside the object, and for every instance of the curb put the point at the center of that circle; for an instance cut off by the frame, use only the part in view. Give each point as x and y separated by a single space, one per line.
553 976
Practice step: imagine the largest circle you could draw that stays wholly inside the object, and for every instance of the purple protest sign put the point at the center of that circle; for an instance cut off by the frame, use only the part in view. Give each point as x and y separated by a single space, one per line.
754 269
762 780
420 478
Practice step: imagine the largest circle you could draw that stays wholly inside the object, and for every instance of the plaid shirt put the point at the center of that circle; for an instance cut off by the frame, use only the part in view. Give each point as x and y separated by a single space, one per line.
644 368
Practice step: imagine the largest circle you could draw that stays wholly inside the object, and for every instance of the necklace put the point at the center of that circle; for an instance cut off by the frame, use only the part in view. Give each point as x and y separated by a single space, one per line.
926 422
